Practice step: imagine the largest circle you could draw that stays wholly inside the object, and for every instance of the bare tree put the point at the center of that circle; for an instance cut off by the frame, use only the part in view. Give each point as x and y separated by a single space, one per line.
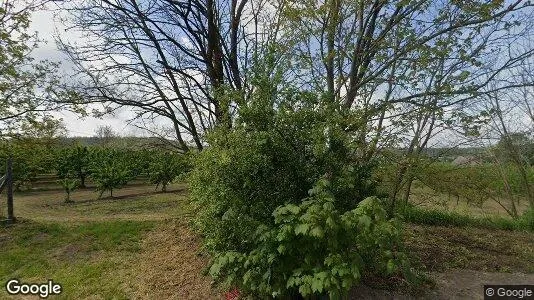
508 124
178 60
373 56
105 134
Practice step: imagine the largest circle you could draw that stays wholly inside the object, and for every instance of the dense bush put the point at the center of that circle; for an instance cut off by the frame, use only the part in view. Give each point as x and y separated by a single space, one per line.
314 249
253 186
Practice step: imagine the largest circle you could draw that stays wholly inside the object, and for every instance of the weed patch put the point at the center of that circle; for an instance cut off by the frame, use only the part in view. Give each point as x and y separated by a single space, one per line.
435 217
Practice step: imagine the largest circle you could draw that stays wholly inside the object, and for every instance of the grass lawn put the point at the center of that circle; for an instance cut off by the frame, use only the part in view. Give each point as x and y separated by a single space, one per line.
87 258
104 248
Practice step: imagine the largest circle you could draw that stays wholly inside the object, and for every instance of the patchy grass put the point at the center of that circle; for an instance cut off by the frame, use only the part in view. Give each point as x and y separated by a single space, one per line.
171 265
439 248
138 245
130 203
85 258
436 217
131 246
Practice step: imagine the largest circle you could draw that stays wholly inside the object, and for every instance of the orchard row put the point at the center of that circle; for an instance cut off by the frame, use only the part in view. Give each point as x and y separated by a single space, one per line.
107 168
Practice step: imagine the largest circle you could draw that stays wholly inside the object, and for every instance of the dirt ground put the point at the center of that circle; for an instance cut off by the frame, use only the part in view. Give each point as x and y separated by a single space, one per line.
453 284
170 266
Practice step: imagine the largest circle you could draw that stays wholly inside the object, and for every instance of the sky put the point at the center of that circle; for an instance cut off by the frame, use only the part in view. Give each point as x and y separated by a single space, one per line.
45 23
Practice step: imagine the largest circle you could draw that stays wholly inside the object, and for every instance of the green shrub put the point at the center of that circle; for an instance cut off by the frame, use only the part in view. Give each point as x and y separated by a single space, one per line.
246 175
527 219
313 249
253 183
447 218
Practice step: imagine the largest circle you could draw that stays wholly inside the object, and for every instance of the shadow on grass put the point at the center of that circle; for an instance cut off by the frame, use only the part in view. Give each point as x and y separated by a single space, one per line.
134 195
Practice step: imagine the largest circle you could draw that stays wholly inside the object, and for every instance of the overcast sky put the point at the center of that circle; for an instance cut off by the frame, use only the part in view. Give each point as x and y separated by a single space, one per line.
45 23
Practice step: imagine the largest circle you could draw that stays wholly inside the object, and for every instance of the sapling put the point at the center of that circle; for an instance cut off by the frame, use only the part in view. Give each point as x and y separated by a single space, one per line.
69 185
110 171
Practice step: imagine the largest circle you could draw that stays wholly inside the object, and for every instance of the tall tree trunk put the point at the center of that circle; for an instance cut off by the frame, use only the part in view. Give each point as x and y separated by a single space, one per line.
215 66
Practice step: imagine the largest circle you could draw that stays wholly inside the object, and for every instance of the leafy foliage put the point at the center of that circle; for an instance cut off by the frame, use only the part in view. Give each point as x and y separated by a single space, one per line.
314 249
74 161
69 185
109 170
30 158
165 168
25 85
279 195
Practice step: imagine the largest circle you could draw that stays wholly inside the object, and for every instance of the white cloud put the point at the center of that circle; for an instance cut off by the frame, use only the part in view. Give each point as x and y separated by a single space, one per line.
46 23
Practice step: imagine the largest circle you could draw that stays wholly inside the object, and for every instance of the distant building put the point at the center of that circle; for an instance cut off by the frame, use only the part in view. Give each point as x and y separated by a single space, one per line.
468 160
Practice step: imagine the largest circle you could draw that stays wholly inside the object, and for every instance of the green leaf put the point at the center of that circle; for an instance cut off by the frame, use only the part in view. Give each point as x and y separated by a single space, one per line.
302 229
317 232
391 267
364 221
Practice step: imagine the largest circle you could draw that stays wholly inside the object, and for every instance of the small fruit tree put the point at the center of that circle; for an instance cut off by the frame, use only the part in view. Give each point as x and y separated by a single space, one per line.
69 185
73 161
29 159
166 167
109 169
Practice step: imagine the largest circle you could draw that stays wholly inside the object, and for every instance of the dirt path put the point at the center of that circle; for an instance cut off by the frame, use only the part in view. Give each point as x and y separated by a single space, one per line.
170 266
453 284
